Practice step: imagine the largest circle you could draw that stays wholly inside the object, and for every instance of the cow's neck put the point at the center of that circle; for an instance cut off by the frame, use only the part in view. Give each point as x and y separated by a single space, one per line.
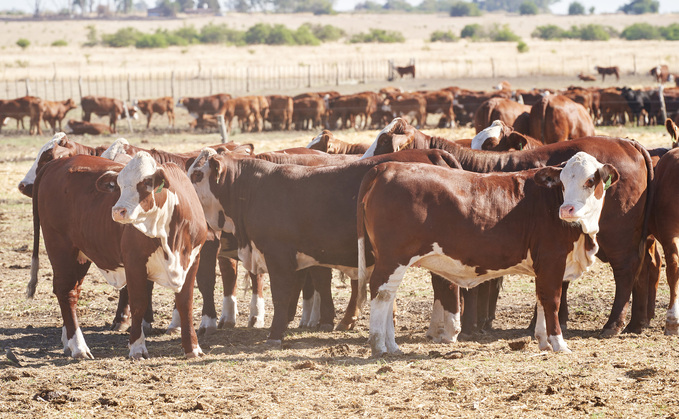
474 160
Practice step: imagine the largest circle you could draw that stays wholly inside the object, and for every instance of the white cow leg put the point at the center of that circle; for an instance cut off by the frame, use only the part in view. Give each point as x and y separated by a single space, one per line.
541 329
175 324
208 325
436 322
672 320
307 308
452 326
559 344
138 348
315 318
379 311
229 312
76 345
257 311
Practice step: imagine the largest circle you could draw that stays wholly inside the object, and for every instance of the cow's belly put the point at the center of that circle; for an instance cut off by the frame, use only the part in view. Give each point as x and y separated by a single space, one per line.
169 272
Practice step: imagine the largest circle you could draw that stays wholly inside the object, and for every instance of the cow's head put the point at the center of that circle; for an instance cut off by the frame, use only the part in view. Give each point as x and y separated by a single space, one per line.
492 134
207 170
398 135
673 130
321 141
584 182
70 104
118 151
146 200
58 147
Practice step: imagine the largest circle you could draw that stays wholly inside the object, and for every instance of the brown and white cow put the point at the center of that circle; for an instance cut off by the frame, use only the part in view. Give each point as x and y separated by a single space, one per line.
106 106
293 217
55 112
661 73
135 223
515 221
326 142
622 238
83 127
557 118
161 106
500 137
505 110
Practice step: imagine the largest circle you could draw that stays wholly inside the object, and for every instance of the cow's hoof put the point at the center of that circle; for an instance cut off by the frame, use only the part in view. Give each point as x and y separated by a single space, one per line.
206 331
345 326
609 333
633 328
255 322
121 326
327 327
196 353
173 330
671 329
226 324
83 355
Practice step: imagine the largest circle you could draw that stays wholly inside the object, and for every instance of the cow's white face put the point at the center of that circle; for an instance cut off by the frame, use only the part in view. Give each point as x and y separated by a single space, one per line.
29 179
493 131
315 141
200 173
585 181
116 151
137 192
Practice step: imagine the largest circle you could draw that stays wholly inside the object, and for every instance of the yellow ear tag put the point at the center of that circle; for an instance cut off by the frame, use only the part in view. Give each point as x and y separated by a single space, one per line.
160 188
608 182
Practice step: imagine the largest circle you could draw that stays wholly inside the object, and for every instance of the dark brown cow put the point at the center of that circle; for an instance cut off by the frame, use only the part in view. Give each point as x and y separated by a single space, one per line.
557 118
27 106
407 104
55 112
210 105
309 113
207 122
441 102
141 248
274 238
326 142
348 108
247 110
161 106
280 112
515 221
613 107
586 77
604 71
623 219
84 127
106 106
408 70
502 109
661 73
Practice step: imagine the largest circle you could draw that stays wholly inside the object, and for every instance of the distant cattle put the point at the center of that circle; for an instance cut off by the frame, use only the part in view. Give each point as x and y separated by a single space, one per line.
309 113
207 123
441 102
639 102
102 106
505 110
586 77
160 106
247 110
604 71
557 118
19 108
55 112
408 70
280 112
326 142
344 110
412 105
83 127
614 108
200 106
661 73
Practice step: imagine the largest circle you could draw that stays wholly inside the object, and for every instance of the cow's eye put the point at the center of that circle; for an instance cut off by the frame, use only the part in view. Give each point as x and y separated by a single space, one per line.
589 183
148 183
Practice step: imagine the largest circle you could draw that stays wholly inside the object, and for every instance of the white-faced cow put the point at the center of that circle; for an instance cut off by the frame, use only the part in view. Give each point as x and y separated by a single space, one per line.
158 235
522 220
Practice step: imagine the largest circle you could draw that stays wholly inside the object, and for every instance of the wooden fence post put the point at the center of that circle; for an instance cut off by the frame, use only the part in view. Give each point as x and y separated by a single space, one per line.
247 79
308 75
28 86
172 85
663 108
127 117
129 90
222 128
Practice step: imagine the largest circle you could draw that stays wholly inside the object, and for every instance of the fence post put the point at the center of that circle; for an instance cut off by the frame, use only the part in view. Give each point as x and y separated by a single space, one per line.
634 60
247 79
28 87
80 88
492 66
129 90
663 108
337 74
172 85
308 75
210 82
222 128
127 117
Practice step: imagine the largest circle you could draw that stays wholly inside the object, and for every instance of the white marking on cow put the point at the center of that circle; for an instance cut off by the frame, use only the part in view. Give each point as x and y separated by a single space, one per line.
169 271
116 151
195 353
587 207
493 131
82 259
207 323
257 311
29 178
307 307
558 344
541 328
229 311
76 346
315 318
436 322
175 325
139 169
116 277
579 260
382 338
452 326
138 348
252 259
315 141
371 150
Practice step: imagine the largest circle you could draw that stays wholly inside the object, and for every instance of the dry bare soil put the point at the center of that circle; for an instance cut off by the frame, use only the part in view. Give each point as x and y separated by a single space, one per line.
317 374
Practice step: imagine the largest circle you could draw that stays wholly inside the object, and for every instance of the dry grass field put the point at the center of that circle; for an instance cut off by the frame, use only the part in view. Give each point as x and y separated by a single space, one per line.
314 374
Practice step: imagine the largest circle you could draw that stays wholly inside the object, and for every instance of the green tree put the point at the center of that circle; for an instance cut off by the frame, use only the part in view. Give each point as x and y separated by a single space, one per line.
576 8
548 32
23 43
462 8
441 36
640 31
639 7
528 8
399 5
368 6
670 32
473 31
514 5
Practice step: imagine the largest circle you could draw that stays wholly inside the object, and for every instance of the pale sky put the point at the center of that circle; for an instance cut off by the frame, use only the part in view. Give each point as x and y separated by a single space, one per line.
601 6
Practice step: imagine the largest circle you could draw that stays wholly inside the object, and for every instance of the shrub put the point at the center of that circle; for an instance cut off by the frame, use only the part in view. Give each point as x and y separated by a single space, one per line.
591 32
220 34
528 8
23 43
441 36
124 37
462 8
638 7
59 43
549 32
521 47
576 8
279 35
378 36
473 31
257 34
640 31
326 33
189 34
92 37
502 34
670 32
304 36
156 40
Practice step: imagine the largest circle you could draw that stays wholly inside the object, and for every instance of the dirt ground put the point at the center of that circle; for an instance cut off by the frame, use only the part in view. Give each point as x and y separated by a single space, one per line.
317 374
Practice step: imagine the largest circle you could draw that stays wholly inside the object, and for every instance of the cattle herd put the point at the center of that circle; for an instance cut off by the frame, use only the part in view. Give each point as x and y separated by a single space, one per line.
535 192
365 110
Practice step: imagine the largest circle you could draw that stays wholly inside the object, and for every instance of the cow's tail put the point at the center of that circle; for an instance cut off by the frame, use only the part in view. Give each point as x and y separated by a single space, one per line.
35 262
650 194
366 185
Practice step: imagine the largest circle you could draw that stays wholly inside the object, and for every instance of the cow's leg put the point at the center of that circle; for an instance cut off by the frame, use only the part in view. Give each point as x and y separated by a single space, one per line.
384 282
122 320
495 285
645 288
353 312
170 118
323 304
257 310
67 282
148 120
445 325
470 315
672 260
205 279
136 286
184 303
281 267
304 283
229 270
547 328
563 310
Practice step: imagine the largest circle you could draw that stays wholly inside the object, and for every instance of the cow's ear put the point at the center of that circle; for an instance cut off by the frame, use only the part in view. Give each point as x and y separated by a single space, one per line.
490 143
108 182
189 163
216 167
608 175
673 130
548 177
244 149
160 180
517 141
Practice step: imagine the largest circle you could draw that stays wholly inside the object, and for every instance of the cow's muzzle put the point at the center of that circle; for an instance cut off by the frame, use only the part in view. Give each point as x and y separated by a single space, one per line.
119 214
